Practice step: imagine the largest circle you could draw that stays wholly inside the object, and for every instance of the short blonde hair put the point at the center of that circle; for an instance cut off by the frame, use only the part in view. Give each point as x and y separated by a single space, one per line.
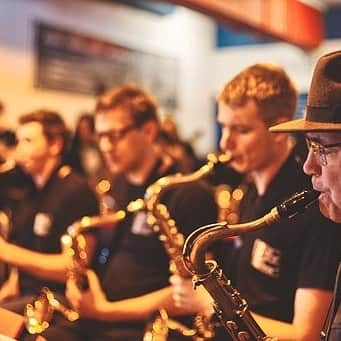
269 86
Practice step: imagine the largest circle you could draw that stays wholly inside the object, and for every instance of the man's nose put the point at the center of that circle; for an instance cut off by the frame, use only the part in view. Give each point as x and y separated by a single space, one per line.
105 145
226 140
311 165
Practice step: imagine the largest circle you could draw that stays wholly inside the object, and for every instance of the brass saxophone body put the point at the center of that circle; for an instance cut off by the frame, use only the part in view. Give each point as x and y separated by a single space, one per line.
39 313
232 309
74 243
173 241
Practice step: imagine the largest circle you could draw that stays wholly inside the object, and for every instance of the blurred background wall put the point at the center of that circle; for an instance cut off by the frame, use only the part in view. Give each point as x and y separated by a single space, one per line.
203 63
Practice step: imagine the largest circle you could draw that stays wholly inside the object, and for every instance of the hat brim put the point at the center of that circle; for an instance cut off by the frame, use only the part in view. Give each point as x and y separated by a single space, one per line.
302 125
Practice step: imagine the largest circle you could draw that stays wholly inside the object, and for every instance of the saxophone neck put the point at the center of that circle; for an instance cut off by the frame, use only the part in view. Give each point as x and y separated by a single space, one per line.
154 191
198 242
91 222
201 239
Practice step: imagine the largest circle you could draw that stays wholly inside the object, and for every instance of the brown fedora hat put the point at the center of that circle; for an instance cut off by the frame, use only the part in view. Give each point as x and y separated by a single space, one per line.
323 111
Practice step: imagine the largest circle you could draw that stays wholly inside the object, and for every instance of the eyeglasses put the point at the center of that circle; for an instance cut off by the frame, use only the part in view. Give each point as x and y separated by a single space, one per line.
321 149
115 135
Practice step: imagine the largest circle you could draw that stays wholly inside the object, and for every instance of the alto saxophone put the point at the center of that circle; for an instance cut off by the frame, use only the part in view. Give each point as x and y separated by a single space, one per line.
39 314
228 303
74 243
173 241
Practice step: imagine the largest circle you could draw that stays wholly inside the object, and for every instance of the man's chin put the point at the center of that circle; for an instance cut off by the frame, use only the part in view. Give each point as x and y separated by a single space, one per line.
28 170
238 167
329 210
115 170
114 167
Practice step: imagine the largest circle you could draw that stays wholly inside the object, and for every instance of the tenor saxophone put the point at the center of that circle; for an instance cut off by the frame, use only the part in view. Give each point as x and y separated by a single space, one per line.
173 241
232 309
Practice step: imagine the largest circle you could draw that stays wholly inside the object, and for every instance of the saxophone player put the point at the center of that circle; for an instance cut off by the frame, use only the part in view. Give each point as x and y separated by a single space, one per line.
133 282
321 127
45 202
286 271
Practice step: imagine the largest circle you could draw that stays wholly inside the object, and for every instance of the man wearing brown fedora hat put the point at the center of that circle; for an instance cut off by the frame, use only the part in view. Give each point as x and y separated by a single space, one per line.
284 271
322 129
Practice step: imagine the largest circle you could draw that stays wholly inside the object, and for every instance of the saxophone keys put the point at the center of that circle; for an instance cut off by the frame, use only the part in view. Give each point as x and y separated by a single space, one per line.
244 336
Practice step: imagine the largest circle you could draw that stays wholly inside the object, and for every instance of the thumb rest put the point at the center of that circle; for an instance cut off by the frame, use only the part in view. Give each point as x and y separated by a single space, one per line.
232 309
173 241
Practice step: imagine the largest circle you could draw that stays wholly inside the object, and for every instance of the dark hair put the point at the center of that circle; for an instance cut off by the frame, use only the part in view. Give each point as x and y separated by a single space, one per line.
89 118
8 138
132 98
73 157
268 85
52 123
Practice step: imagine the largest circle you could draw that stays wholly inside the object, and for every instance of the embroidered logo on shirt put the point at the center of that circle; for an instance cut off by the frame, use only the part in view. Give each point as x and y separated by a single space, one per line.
265 258
140 226
42 224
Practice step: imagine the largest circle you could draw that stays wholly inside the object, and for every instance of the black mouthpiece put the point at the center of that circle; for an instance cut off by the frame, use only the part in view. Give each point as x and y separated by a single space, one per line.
297 203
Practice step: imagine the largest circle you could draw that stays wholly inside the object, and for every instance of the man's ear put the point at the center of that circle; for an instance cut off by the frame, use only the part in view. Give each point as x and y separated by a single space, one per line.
151 129
56 146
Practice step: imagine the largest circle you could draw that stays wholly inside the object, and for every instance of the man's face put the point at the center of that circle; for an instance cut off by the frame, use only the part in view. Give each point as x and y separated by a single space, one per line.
326 178
245 136
33 149
120 140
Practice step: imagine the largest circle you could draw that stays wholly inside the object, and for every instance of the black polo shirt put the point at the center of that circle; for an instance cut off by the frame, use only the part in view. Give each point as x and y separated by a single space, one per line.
139 263
302 252
42 217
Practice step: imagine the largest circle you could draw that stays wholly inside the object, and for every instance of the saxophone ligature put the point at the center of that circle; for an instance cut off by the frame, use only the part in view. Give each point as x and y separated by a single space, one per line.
232 309
159 218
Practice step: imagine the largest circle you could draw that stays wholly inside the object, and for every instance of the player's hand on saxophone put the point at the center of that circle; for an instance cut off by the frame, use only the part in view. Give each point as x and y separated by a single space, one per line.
89 303
188 299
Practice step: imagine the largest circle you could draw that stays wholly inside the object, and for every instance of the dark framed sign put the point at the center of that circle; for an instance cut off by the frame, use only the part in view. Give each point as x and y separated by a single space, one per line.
74 62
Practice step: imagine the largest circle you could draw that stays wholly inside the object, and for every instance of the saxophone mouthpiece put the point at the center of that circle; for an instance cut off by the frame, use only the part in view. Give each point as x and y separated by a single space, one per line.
297 203
223 158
